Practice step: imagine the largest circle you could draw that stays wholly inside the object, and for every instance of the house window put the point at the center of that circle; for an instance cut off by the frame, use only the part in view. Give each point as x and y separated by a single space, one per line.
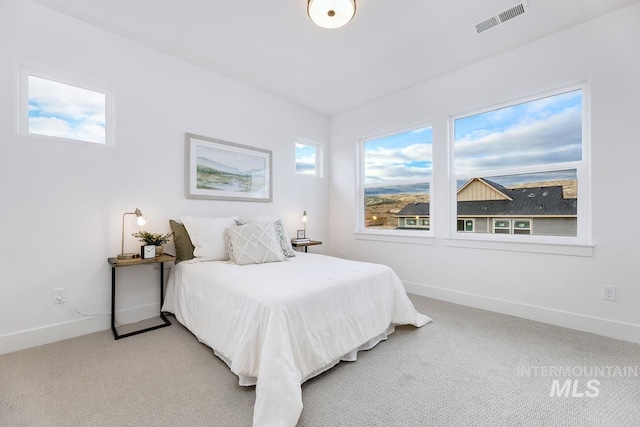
502 226
512 226
395 181
63 108
524 159
308 158
521 226
466 225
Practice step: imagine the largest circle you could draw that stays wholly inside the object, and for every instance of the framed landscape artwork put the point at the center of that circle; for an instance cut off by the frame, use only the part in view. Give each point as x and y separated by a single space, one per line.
223 170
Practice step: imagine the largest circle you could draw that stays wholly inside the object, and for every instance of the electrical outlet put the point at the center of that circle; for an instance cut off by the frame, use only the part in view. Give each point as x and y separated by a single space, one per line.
59 295
609 293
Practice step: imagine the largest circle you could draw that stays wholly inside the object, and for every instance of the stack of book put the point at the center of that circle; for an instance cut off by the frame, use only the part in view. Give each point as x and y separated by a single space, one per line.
304 240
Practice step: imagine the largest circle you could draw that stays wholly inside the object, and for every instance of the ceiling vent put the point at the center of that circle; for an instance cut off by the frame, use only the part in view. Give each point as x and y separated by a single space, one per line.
501 17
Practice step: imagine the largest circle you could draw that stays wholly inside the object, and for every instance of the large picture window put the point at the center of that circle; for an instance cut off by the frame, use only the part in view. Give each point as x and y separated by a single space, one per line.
395 183
520 168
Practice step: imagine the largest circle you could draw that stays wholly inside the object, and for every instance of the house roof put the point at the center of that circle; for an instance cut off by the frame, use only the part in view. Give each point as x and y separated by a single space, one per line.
531 201
414 209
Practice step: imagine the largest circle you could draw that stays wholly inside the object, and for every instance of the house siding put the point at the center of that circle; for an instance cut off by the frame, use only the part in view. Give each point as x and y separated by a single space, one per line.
555 226
482 225
478 190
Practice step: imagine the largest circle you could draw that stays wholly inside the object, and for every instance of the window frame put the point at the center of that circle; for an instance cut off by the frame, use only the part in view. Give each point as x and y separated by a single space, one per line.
418 235
318 160
69 79
581 244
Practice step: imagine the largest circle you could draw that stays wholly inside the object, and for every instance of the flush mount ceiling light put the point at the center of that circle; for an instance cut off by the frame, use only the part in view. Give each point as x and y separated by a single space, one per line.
331 13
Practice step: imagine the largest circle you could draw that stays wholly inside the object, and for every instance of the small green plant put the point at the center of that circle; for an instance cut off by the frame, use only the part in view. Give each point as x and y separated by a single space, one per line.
153 238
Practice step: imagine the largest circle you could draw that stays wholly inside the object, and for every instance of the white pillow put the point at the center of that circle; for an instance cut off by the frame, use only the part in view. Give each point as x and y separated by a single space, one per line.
207 236
253 244
281 231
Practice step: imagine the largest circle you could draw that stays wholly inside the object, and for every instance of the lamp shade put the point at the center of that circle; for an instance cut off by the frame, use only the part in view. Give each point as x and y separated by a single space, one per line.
331 13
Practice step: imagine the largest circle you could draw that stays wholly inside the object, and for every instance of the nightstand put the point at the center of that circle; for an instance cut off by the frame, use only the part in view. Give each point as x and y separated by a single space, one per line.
305 245
119 263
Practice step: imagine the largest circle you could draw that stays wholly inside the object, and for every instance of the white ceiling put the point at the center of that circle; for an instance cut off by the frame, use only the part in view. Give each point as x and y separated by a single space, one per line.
273 46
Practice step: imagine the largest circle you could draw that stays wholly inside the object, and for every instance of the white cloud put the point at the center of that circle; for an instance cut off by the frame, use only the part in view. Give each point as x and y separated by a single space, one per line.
388 163
61 110
553 139
53 126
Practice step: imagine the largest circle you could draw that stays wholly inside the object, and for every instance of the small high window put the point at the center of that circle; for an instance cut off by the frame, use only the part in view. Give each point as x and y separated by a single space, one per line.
309 158
61 108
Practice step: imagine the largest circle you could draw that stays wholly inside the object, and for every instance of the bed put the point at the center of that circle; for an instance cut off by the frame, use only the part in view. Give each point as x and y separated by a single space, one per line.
277 324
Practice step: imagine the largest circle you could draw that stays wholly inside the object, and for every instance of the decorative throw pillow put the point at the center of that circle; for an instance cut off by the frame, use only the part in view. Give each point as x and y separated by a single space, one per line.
207 236
182 242
281 231
283 239
253 244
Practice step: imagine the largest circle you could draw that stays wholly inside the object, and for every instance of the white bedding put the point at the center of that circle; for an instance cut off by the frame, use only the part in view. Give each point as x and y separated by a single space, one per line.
280 323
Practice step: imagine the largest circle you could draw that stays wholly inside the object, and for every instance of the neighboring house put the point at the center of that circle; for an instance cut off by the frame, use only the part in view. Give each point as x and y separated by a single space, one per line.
415 215
487 207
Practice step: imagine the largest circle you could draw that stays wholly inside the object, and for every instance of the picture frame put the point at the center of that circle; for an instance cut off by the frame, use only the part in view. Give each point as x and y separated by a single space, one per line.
222 170
300 234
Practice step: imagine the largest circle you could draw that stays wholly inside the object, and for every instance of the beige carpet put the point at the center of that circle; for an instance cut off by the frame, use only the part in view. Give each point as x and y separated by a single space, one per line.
463 369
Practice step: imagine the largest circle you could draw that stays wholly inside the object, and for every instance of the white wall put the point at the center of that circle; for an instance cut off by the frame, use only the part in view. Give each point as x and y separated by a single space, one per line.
564 290
61 203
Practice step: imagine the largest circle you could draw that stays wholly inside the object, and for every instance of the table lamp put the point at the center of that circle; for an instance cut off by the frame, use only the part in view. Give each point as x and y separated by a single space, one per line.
140 221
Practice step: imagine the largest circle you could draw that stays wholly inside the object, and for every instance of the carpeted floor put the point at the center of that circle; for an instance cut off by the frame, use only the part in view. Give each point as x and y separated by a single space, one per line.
468 367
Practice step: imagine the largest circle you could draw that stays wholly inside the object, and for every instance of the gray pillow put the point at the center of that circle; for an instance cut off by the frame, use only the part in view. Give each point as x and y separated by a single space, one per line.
253 244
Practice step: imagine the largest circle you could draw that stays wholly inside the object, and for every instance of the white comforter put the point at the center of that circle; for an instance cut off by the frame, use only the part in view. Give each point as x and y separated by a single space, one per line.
280 323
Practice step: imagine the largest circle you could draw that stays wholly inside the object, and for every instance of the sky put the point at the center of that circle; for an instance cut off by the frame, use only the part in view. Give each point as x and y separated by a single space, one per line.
305 159
544 131
540 132
405 155
64 111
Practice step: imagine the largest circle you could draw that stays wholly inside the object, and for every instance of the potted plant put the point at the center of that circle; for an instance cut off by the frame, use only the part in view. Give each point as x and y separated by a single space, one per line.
155 239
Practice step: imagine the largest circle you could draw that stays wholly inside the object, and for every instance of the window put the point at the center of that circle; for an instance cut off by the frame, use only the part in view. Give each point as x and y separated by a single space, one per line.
518 168
58 107
395 181
502 226
309 158
512 226
466 225
521 226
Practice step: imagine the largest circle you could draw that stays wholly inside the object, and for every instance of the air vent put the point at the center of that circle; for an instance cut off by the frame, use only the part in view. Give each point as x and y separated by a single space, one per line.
487 24
501 17
512 12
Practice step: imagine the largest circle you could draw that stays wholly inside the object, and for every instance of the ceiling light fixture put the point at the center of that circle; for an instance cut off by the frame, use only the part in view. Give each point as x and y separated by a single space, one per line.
331 13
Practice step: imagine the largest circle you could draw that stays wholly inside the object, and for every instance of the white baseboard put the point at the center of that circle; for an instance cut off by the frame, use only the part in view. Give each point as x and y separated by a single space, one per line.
73 328
580 322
